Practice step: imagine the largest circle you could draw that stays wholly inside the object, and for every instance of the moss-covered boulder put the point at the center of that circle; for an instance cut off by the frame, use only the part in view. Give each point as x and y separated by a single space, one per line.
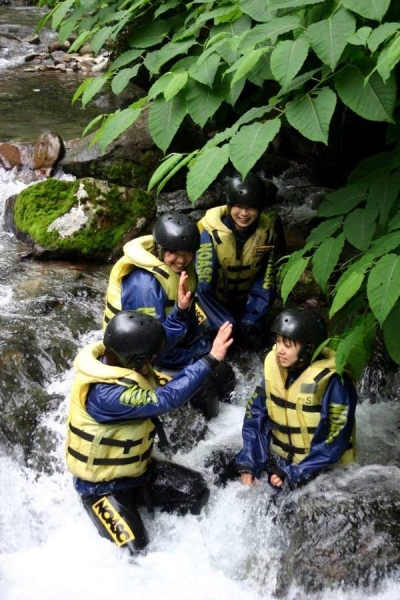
85 219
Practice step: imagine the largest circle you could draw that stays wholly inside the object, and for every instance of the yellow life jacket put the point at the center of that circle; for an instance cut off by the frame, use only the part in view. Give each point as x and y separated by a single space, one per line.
138 254
235 275
294 413
105 451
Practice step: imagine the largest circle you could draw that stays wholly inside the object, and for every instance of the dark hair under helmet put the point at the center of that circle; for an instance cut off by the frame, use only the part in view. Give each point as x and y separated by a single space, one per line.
133 337
177 232
306 326
250 192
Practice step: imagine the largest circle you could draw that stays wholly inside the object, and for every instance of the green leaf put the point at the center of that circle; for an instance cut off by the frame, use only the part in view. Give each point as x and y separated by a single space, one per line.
94 85
388 58
292 276
360 37
354 349
395 222
60 12
347 287
269 31
383 194
359 227
155 60
380 34
205 71
371 98
287 59
165 167
185 160
250 143
343 200
370 9
205 169
372 168
124 59
259 11
328 38
122 78
312 113
165 119
100 38
383 287
177 82
115 125
245 63
150 35
202 101
391 334
324 230
325 259
386 243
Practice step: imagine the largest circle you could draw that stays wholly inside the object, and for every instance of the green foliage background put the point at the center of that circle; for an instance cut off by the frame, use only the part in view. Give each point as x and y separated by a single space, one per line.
270 64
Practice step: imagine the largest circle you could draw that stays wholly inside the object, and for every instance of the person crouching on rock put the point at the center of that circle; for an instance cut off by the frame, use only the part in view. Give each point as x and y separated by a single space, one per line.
113 418
301 418
146 278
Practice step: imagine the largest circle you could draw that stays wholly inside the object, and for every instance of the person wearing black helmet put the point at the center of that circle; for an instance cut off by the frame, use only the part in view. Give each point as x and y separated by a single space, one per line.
115 403
239 246
147 278
301 418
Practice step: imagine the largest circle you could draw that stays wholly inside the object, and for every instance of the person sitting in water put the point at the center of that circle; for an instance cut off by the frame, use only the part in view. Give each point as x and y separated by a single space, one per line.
113 417
146 278
239 246
301 418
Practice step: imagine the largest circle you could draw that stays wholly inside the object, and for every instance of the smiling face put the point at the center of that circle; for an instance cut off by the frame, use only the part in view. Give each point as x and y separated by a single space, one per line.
243 216
287 351
178 261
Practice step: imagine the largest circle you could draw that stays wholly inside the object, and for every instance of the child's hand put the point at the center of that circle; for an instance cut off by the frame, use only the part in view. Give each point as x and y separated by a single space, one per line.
183 294
222 341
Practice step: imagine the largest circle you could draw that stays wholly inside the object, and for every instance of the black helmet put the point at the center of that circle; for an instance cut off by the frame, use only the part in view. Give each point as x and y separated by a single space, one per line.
250 192
176 232
306 326
133 337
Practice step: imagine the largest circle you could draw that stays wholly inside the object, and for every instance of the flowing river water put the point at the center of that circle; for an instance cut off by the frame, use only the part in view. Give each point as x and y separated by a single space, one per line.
234 550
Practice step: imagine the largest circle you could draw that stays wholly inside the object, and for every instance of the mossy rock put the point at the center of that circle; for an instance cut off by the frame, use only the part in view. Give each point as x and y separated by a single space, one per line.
82 219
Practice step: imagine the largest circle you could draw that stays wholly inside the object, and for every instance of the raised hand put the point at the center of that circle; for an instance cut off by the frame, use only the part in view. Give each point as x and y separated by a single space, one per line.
183 294
222 341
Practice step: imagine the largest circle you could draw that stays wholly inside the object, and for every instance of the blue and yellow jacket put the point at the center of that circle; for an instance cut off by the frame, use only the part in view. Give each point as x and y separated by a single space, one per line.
230 277
110 419
305 420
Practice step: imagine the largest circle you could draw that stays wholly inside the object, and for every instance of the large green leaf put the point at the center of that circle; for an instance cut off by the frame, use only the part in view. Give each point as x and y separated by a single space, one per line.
150 35
386 243
391 333
206 70
347 287
325 259
122 78
311 114
383 193
370 9
116 124
203 101
343 200
250 143
259 11
60 12
269 31
287 59
328 38
383 287
370 169
370 97
165 119
292 276
100 38
354 349
205 169
380 34
325 229
389 58
395 222
177 82
359 227
125 58
93 87
245 64
155 60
